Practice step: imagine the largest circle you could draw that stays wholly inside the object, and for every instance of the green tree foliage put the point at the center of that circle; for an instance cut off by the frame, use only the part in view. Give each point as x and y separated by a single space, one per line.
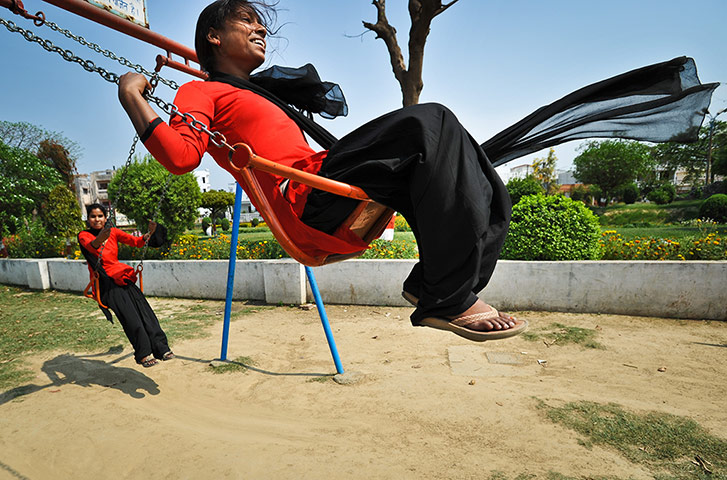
142 189
27 136
25 182
552 228
611 164
719 149
519 187
692 157
61 214
544 172
217 202
58 157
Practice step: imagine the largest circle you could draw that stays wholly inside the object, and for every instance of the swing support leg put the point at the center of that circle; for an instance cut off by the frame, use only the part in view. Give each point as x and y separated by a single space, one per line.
231 270
231 282
324 319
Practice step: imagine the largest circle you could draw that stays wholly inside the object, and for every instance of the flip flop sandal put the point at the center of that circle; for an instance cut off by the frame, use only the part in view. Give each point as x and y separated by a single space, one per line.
148 362
410 298
460 325
168 356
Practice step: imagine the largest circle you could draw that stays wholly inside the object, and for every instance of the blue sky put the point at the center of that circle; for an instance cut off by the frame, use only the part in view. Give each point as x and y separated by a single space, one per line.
490 61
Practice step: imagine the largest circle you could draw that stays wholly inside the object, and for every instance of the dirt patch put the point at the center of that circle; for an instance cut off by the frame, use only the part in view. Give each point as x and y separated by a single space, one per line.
429 405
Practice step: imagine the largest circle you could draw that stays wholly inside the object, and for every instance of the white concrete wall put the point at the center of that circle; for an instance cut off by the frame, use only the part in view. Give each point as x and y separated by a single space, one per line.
659 288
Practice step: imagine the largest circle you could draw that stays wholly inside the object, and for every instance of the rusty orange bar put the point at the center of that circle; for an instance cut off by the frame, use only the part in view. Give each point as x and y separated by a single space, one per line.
182 67
243 157
96 14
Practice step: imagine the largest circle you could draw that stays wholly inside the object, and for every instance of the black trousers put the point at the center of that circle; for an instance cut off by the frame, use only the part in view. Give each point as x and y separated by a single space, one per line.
137 318
421 162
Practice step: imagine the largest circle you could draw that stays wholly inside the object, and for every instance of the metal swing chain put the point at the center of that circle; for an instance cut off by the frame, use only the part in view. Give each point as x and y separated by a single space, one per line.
87 65
217 138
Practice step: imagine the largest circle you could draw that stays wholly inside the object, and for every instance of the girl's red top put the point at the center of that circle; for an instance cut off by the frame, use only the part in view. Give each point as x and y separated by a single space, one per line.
121 273
243 116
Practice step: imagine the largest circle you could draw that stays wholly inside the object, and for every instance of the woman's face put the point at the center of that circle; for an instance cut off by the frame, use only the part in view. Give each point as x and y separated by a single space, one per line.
96 219
241 43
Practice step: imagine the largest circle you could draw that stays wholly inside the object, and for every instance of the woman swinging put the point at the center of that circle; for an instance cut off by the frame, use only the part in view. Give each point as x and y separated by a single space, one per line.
117 285
419 161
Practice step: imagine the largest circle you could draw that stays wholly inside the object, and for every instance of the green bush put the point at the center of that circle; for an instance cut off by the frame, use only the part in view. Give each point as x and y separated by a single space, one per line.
715 207
663 195
224 223
519 187
255 222
206 222
630 193
582 194
33 241
552 228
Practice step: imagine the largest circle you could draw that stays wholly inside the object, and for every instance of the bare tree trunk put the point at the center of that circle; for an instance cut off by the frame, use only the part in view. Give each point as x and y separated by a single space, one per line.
421 13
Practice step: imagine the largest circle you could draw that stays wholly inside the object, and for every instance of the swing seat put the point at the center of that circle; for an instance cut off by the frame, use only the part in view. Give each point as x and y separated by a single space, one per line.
368 220
93 291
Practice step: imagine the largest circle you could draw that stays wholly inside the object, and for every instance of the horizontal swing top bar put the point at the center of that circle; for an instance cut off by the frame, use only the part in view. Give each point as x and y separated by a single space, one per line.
99 15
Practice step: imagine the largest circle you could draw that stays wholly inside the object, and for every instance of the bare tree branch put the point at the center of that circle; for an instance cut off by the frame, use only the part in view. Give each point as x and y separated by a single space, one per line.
421 13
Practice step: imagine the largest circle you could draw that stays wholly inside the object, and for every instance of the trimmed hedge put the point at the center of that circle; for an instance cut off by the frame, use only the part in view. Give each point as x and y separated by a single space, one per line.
552 228
715 207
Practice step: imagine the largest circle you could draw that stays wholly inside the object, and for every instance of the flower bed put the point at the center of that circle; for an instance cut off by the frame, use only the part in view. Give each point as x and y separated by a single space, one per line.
705 247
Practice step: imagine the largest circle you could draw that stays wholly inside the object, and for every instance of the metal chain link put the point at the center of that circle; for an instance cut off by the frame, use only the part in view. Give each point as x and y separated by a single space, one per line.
217 138
111 55
67 55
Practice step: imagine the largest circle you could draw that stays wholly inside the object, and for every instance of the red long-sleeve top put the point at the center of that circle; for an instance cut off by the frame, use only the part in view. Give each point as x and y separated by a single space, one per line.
121 273
243 116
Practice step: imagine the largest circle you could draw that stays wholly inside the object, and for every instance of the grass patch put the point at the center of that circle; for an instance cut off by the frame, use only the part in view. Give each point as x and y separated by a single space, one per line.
647 213
665 444
33 322
559 334
237 365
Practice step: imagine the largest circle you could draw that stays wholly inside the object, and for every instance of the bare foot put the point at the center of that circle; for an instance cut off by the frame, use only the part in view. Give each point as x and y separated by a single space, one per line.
490 318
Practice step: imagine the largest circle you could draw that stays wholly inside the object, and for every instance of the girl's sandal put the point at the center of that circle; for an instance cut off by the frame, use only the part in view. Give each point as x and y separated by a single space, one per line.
168 356
148 361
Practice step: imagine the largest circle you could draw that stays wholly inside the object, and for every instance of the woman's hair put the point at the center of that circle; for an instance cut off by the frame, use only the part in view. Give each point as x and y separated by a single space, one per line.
95 206
216 14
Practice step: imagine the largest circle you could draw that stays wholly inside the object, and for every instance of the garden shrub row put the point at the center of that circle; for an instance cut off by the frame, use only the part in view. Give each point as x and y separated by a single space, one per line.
542 228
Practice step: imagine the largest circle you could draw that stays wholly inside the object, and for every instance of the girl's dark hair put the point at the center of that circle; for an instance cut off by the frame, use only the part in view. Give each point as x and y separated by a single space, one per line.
215 15
95 206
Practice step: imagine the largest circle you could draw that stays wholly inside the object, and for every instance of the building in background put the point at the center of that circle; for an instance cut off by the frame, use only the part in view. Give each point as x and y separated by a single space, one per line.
203 179
93 188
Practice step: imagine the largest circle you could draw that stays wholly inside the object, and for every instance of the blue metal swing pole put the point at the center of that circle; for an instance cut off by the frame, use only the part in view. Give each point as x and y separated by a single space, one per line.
231 269
324 319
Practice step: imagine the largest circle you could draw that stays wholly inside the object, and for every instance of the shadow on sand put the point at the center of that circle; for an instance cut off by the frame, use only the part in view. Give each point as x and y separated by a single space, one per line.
82 370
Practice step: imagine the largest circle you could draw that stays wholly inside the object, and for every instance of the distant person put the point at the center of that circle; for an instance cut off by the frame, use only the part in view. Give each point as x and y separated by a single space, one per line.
117 284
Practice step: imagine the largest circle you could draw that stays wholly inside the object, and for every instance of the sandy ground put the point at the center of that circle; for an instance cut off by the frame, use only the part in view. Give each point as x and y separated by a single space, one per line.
429 404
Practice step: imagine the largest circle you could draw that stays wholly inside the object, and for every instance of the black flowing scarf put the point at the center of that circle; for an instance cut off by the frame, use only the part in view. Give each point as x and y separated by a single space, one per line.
658 103
300 87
